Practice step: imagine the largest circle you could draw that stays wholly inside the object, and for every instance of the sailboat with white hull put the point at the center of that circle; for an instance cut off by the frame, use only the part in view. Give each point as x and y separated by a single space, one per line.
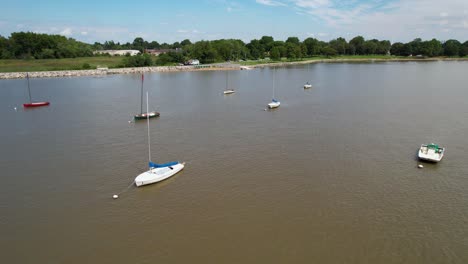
307 85
228 91
157 172
148 114
274 103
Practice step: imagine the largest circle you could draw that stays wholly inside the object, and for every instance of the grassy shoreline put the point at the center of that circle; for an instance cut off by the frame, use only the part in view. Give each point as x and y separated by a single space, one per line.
58 64
76 64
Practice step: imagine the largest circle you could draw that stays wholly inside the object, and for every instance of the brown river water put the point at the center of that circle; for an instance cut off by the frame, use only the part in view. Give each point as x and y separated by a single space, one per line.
329 177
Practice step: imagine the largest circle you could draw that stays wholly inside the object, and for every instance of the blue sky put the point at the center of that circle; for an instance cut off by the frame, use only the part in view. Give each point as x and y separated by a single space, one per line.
176 20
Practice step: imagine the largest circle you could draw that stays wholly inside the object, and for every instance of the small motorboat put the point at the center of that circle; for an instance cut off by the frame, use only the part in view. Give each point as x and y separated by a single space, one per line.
431 152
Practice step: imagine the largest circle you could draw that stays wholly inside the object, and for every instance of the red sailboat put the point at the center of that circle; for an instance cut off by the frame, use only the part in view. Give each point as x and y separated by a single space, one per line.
31 103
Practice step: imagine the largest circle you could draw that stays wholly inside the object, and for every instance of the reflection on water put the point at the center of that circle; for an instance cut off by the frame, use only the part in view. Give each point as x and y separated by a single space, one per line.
329 177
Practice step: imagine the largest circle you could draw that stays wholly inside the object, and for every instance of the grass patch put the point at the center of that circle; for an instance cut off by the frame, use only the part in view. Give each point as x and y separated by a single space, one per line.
59 64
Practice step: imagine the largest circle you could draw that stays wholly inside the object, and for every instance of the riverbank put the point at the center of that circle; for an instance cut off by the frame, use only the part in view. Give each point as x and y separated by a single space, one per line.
105 71
209 67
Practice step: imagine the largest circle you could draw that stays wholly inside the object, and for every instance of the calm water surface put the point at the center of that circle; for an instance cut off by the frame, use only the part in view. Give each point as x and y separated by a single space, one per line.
329 177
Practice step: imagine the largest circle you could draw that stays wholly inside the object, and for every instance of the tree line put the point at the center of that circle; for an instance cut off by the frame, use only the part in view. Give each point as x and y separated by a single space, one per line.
29 45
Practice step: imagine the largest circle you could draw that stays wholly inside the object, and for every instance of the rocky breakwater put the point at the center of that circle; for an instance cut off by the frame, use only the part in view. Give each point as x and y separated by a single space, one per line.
51 74
104 71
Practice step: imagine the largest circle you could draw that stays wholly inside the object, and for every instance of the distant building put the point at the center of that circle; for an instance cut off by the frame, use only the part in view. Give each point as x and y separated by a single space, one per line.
157 52
118 52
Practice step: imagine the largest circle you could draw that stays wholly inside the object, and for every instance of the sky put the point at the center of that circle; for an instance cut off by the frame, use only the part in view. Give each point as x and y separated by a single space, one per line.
176 20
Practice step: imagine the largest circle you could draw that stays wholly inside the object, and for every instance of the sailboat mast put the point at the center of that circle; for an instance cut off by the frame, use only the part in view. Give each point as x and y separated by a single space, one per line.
274 77
29 89
227 78
147 119
141 101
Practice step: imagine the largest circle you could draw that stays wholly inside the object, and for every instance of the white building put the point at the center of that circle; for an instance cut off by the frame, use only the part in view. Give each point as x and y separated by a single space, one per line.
117 52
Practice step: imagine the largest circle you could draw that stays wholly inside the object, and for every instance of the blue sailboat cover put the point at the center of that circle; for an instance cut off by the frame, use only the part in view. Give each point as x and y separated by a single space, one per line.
274 100
155 165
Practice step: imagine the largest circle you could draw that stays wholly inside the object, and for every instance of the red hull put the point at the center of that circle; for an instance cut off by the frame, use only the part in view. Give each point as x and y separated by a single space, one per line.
36 104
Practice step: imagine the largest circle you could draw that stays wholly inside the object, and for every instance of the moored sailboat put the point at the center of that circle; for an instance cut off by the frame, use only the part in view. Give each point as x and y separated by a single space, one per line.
227 90
148 114
274 103
31 103
156 172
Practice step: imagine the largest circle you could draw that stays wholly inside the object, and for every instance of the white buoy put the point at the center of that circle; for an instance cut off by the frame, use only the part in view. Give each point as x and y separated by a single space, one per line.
129 121
420 166
115 196
15 108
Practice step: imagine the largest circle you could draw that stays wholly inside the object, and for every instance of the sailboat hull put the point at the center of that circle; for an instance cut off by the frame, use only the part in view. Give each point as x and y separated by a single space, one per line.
229 92
146 115
274 105
35 104
155 175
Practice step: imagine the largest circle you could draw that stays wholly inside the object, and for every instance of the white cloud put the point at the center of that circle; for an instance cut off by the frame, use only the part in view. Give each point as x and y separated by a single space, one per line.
84 33
66 32
400 20
270 3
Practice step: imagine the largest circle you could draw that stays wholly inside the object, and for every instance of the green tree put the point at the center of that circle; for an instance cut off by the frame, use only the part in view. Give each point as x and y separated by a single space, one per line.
329 51
340 45
397 49
370 47
267 43
138 60
431 48
185 42
275 53
256 49
358 44
452 47
313 46
138 44
464 49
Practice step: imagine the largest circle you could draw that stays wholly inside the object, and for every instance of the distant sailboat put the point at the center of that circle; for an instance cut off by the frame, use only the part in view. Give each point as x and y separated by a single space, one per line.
31 103
274 103
156 172
228 91
142 115
307 85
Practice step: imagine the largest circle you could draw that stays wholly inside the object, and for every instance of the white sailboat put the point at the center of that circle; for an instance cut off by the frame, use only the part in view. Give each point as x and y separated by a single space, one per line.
157 172
274 103
307 85
228 91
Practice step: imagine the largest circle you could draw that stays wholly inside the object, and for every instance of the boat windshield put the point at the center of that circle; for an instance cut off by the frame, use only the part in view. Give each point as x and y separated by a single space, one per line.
433 146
